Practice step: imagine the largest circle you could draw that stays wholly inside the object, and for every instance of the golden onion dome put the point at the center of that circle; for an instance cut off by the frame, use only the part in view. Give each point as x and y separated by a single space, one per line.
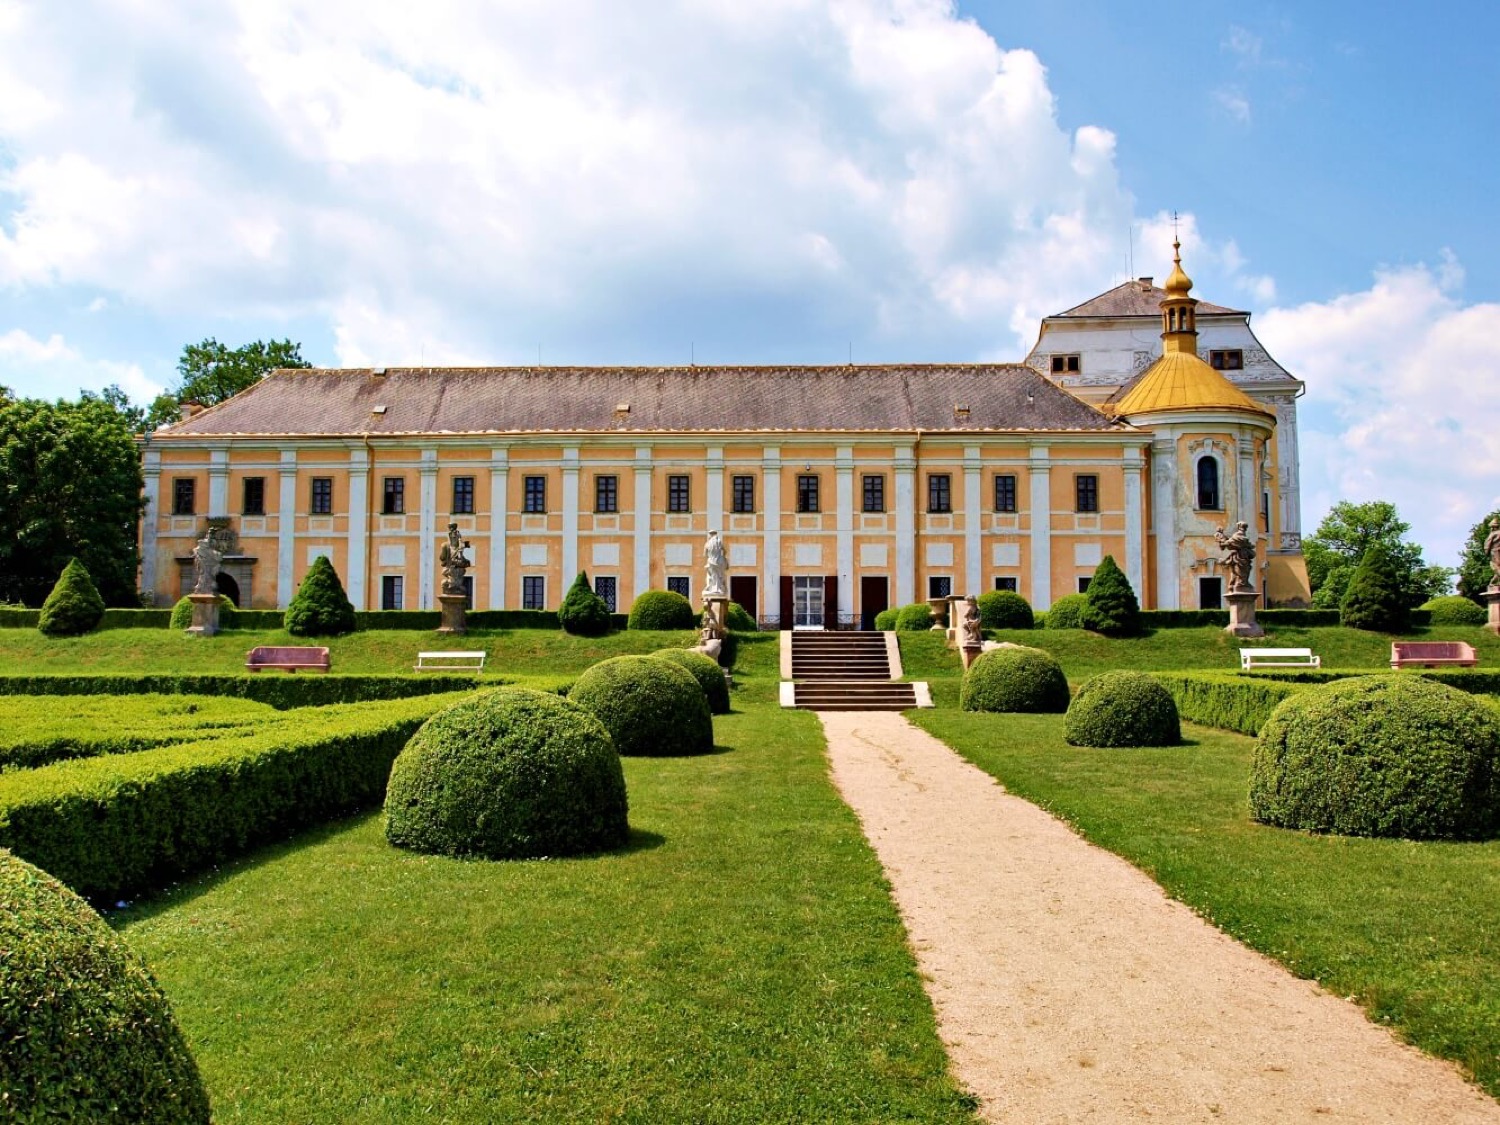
1179 284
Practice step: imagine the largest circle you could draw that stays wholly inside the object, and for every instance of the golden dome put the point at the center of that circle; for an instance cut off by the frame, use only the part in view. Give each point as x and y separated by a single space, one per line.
1182 381
1179 284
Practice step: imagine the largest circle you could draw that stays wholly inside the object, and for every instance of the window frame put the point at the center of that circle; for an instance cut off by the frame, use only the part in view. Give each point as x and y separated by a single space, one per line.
533 591
809 499
612 599
1086 495
1010 488
393 496
1227 359
462 496
392 584
320 498
1067 363
940 494
184 496
742 494
606 494
1008 582
940 586
680 584
872 499
534 494
1199 492
259 508
679 493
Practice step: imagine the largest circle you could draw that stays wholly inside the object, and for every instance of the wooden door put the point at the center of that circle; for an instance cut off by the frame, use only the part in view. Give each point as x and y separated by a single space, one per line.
742 591
874 596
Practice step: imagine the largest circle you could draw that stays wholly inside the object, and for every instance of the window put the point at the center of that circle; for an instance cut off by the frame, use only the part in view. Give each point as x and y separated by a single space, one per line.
536 495
940 586
939 492
1005 493
604 586
1066 364
1086 492
254 497
184 496
807 493
463 496
1210 593
1083 583
1265 511
677 494
391 590
1208 483
874 489
1230 359
606 494
468 591
394 502
322 496
744 494
533 590
1011 584
683 586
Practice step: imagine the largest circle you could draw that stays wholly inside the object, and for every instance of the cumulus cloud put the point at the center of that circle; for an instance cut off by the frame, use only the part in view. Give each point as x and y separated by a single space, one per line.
28 364
1220 260
1403 400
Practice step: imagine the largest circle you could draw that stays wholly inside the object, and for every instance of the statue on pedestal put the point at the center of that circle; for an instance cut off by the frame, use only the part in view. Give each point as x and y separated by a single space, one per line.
454 562
715 567
1238 557
1492 549
206 560
971 632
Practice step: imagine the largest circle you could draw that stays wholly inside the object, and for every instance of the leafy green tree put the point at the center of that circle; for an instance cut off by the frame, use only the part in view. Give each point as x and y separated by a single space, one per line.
1473 563
1110 606
211 372
583 612
1375 599
320 608
70 486
1347 532
74 607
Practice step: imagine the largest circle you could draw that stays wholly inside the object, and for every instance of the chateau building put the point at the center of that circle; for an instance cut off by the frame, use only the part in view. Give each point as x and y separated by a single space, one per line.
839 491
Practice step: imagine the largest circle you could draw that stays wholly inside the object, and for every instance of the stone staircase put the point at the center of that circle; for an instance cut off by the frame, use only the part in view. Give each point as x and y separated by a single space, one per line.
845 671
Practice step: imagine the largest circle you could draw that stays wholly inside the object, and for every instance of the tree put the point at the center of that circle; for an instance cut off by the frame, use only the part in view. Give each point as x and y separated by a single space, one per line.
1375 599
1111 607
70 486
583 612
1347 532
320 608
1473 563
211 372
74 607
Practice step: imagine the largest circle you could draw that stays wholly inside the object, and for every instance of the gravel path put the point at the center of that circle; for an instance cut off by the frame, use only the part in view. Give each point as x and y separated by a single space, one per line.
1069 988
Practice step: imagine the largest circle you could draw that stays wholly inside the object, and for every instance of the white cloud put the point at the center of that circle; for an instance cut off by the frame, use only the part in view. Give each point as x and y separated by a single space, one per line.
1403 400
52 368
1234 102
1222 262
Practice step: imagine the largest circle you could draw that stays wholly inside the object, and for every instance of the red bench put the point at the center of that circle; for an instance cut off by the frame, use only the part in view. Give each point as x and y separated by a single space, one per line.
289 659
1432 654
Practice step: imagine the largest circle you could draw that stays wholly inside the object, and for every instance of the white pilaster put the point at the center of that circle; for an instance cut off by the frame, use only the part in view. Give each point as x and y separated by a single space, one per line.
771 565
286 535
973 524
359 527
1289 472
569 516
218 483
1164 520
1249 483
843 475
1041 527
906 525
1135 522
499 510
427 533
642 521
714 503
151 466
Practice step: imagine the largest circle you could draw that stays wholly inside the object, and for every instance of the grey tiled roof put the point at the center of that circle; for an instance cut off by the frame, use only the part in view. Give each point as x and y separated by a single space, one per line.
1135 298
486 400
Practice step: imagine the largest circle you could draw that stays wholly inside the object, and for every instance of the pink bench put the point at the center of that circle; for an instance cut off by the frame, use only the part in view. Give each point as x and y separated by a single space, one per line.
1432 654
289 659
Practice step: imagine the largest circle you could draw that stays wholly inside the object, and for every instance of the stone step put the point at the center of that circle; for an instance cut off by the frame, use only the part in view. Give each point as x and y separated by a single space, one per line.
834 696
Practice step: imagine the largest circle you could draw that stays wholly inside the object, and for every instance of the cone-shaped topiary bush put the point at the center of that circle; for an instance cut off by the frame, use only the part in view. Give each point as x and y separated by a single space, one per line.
1380 756
1015 679
1455 609
650 707
1004 609
508 774
74 607
739 620
914 618
86 1033
583 612
1111 607
1374 599
1123 709
320 608
885 620
662 609
706 671
182 612
1067 612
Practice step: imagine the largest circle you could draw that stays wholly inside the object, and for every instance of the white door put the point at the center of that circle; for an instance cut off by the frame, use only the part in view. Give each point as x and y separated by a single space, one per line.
807 602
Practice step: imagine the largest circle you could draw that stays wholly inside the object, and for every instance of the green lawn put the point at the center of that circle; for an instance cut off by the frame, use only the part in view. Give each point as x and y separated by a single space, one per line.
1411 930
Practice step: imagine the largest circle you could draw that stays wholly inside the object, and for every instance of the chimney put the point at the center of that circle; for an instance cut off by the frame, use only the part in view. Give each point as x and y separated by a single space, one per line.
190 409
1146 282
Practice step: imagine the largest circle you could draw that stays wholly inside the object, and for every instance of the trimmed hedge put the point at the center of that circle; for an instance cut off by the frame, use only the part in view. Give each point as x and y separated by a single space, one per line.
149 618
1385 755
115 826
281 692
1067 612
706 671
662 610
650 707
509 774
181 614
74 606
914 618
1005 609
1015 679
88 1035
365 619
1455 609
1122 709
1226 700
739 620
885 620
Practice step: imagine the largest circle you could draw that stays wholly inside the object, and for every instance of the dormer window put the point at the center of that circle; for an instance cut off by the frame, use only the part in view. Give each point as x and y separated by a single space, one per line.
1067 364
1229 359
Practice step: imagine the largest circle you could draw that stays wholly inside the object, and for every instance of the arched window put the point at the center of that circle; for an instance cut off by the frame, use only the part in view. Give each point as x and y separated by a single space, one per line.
1208 483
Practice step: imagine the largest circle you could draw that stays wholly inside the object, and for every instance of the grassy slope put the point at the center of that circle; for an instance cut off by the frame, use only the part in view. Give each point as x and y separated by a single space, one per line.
742 962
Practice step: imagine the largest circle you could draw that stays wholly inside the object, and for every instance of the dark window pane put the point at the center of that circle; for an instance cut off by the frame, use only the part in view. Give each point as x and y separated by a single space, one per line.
394 502
463 496
606 494
940 586
744 494
255 497
807 493
683 586
604 586
939 493
184 494
1087 487
1005 493
322 496
874 494
536 494
678 494
1004 583
391 591
1208 483
533 592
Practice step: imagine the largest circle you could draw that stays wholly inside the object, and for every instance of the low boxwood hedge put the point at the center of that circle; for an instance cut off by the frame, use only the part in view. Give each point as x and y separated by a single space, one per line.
1455 609
1226 700
662 610
1122 708
1067 612
1015 679
1004 609
914 618
886 619
706 671
280 691
650 707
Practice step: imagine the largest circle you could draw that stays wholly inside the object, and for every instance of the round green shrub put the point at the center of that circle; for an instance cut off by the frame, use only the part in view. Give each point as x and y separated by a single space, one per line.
320 608
914 618
1067 612
1015 679
74 606
662 609
1385 755
1005 609
182 612
650 707
739 620
583 612
885 620
508 774
706 671
1455 609
85 1032
1123 709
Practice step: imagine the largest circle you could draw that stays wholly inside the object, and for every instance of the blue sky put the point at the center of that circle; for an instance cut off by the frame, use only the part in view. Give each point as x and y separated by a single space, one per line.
784 181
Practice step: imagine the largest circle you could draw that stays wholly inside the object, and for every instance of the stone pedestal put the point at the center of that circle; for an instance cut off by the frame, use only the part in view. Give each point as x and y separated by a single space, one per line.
971 653
1242 615
453 614
205 614
715 625
1492 600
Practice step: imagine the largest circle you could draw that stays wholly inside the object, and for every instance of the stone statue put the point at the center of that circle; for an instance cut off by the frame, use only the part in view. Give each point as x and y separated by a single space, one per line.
715 567
454 562
1238 557
972 632
206 560
1492 549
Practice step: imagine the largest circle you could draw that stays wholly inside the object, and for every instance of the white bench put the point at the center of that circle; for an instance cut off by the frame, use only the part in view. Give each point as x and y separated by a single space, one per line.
450 662
1251 658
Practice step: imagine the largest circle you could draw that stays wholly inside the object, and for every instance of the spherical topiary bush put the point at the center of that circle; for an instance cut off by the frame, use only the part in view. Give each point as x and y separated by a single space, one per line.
1379 756
1005 609
508 774
74 606
649 706
739 619
1122 709
1455 609
706 671
914 618
662 609
85 1032
1015 679
1067 612
182 612
885 620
